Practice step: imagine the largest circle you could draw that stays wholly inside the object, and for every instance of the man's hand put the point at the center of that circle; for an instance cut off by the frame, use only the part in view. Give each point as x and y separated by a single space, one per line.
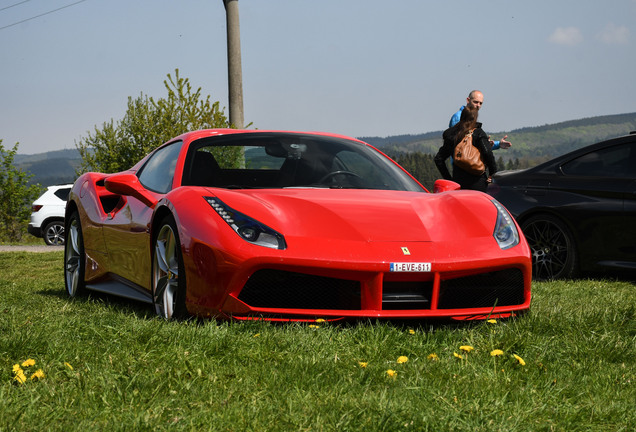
503 143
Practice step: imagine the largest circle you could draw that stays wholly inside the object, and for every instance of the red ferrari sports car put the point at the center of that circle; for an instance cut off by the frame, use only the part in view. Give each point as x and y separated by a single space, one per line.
294 226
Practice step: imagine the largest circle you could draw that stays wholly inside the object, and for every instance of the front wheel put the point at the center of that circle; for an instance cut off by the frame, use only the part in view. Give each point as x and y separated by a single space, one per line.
74 257
168 276
554 254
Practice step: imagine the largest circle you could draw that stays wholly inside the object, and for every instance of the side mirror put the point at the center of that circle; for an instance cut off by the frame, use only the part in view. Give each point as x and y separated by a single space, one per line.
128 185
442 185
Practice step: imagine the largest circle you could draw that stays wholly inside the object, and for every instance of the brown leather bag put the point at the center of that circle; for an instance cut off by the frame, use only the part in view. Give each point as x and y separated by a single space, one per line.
468 157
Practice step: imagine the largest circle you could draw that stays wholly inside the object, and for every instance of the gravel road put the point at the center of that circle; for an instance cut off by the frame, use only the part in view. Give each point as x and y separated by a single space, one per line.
31 248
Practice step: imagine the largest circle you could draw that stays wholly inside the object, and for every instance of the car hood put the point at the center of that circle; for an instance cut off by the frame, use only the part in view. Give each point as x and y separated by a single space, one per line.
367 215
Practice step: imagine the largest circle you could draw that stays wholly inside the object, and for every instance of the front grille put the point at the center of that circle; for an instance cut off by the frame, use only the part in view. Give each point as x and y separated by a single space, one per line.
501 288
279 289
406 295
288 290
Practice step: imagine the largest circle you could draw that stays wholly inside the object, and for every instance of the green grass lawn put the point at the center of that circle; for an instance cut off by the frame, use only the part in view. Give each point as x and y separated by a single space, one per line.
112 365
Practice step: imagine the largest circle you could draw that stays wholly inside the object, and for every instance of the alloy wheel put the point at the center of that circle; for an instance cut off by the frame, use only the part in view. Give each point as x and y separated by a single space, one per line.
553 254
73 258
54 234
165 277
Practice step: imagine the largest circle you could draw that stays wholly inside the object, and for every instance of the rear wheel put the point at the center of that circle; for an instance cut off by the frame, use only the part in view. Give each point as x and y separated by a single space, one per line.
168 276
554 254
74 257
54 233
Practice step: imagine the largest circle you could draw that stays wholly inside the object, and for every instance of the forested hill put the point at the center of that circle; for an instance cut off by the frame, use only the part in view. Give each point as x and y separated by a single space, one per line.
531 145
50 168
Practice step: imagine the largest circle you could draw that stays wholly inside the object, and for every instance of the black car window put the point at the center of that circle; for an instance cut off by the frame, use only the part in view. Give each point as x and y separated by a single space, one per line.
614 161
62 193
158 172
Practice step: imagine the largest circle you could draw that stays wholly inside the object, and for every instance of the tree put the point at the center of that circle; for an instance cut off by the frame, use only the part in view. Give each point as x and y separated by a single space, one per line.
16 196
147 124
420 165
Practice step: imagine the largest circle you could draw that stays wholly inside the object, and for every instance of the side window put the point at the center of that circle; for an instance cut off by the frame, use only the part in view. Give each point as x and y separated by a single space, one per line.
615 161
158 172
63 193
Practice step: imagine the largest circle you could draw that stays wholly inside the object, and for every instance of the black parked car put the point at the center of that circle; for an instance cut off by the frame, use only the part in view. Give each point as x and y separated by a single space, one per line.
577 211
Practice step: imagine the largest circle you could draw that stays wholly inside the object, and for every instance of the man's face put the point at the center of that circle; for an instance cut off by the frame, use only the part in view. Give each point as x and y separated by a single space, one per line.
475 101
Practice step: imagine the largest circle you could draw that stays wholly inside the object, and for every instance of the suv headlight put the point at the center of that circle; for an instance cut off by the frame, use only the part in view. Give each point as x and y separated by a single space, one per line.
247 228
505 232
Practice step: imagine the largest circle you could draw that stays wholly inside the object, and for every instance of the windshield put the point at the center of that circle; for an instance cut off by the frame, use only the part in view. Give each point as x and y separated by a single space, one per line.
285 160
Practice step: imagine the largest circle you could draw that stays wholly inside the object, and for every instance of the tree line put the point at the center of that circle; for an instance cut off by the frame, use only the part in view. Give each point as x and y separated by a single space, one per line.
423 168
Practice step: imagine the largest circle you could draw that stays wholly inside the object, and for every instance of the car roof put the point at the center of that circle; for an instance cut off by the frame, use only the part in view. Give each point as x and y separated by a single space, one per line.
575 153
203 133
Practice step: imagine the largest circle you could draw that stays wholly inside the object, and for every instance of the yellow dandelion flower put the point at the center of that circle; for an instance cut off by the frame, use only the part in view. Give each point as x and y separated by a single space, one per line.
320 320
16 368
257 335
28 362
363 364
20 378
433 357
402 359
68 365
519 359
458 356
391 373
496 353
466 348
492 321
313 326
411 331
38 375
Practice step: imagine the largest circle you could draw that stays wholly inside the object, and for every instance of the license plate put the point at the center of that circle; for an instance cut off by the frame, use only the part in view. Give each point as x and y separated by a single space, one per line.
411 267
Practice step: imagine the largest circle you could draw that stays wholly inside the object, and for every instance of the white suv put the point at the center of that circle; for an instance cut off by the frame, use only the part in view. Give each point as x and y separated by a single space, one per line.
47 219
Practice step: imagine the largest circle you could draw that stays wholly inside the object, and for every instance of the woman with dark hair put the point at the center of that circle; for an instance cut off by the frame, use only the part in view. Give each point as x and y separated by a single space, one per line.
454 135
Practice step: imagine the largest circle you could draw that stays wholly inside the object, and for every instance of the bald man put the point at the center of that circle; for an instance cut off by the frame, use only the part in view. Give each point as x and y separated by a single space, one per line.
475 100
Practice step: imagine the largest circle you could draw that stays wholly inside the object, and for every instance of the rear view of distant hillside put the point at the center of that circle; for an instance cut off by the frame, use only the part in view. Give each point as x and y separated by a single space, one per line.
50 168
530 145
533 145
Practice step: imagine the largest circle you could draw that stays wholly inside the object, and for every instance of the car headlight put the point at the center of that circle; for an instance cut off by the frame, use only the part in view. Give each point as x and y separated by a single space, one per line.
247 228
505 232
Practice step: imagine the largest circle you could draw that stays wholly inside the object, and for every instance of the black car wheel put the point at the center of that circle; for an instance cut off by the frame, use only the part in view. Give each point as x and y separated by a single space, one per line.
54 233
74 258
553 250
168 276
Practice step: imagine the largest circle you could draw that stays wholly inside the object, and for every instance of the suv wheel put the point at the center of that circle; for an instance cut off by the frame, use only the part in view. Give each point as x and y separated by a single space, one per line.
53 233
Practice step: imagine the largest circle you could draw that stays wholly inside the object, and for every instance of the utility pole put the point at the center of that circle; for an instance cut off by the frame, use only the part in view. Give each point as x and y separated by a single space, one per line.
235 72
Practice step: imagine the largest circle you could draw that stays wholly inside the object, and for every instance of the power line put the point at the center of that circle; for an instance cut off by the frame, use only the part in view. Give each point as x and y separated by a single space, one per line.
8 7
40 15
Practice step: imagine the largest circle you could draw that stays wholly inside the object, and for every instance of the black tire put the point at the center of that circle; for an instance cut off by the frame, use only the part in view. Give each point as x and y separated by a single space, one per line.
168 274
53 233
554 254
74 257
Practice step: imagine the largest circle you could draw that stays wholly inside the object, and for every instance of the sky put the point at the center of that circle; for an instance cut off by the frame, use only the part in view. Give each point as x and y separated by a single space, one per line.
354 67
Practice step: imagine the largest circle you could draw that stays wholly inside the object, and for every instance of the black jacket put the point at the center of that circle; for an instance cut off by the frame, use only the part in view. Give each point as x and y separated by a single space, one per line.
466 180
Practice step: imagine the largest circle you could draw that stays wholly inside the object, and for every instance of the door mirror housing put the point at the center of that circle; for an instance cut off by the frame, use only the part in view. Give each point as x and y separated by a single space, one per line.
128 184
442 185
